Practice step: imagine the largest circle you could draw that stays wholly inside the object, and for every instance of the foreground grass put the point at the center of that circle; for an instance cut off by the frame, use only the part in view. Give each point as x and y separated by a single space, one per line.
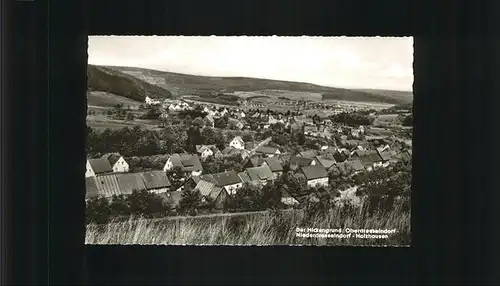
251 229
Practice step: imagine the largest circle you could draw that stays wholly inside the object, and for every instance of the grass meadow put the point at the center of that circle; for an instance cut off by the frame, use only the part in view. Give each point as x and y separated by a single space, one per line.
262 228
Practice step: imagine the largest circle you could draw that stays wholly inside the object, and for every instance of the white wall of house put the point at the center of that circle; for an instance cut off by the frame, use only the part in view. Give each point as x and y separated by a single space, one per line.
238 144
318 182
121 166
89 172
168 165
206 153
231 189
289 201
158 191
196 173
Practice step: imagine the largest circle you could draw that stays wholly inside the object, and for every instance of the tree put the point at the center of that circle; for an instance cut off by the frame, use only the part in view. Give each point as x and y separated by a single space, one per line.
208 135
198 122
176 177
144 203
246 199
408 121
232 124
97 210
221 122
247 137
190 202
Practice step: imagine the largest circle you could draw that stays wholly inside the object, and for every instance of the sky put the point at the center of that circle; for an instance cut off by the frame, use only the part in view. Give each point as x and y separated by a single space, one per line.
344 62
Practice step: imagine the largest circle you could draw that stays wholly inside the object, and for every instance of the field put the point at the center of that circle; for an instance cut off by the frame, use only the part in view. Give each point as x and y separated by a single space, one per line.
184 84
104 99
100 122
263 228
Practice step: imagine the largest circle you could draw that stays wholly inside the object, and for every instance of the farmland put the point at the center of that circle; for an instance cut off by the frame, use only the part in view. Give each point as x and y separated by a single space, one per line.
263 228
104 99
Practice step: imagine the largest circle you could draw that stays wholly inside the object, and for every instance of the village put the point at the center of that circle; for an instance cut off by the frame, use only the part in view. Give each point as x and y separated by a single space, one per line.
345 141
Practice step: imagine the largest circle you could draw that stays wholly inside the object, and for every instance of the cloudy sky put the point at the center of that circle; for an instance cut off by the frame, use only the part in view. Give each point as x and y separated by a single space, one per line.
349 62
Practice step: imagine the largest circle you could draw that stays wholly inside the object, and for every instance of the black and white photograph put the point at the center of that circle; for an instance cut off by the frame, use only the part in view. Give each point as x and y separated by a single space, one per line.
247 140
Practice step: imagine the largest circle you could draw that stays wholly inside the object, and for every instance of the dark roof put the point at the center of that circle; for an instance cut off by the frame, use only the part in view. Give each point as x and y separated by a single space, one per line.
91 186
260 173
226 178
187 162
100 165
284 158
355 164
231 151
112 158
385 155
266 150
325 161
300 161
274 164
129 182
308 154
155 180
314 172
244 177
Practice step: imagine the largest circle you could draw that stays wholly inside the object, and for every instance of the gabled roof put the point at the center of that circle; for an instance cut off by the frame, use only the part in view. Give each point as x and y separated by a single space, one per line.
129 182
202 148
314 172
244 177
231 151
385 155
326 161
308 154
187 162
226 178
266 150
100 165
112 158
205 188
108 185
355 164
155 180
238 138
300 161
260 173
274 164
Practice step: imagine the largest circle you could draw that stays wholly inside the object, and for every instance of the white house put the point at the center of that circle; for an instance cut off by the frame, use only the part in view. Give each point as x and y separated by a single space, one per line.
316 175
189 164
151 101
118 164
97 167
237 143
206 151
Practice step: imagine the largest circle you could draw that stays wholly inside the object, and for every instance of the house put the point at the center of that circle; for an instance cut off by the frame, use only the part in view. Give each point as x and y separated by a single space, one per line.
210 190
370 159
237 143
311 130
130 182
286 198
97 167
117 162
352 167
156 181
315 176
108 185
151 101
325 160
299 162
187 162
308 154
209 121
268 151
262 173
206 151
253 162
231 151
275 166
229 181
